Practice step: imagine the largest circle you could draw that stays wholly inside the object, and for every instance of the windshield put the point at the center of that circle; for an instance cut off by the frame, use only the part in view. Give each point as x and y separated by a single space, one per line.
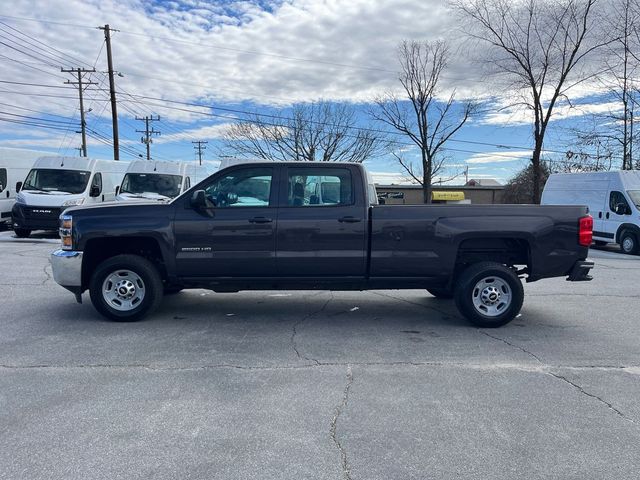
635 197
56 180
166 185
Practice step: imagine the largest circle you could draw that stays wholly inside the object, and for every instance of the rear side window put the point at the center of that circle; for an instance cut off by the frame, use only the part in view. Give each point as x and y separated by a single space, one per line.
3 179
309 187
617 198
187 183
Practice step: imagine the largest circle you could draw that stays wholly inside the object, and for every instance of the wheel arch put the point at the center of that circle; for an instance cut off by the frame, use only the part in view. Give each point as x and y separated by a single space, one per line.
631 227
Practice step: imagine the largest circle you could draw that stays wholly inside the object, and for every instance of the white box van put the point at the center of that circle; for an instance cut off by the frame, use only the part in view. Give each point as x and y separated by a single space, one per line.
55 183
15 163
155 180
613 199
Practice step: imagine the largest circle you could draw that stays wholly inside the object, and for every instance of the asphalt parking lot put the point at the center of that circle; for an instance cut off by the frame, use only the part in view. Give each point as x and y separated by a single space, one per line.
299 385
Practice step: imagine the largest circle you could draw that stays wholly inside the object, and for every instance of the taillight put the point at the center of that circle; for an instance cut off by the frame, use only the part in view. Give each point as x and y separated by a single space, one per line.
585 231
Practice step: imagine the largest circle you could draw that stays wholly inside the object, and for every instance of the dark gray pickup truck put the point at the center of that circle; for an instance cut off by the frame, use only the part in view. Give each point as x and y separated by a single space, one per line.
304 226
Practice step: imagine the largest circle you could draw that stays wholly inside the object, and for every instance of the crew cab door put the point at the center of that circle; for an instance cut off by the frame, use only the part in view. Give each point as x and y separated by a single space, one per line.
234 236
322 222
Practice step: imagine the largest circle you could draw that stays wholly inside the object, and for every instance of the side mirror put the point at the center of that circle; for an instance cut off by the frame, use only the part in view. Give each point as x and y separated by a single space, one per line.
199 200
117 189
18 186
621 209
95 191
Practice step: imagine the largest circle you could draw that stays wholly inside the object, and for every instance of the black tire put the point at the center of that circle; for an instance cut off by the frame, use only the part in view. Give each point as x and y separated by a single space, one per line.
22 232
629 243
141 269
500 281
441 293
600 243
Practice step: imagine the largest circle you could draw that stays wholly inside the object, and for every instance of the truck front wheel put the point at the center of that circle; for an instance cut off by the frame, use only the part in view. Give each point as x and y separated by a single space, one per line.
489 294
125 288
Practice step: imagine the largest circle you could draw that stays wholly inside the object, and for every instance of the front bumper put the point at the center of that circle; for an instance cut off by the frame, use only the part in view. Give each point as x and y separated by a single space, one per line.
580 271
67 270
35 218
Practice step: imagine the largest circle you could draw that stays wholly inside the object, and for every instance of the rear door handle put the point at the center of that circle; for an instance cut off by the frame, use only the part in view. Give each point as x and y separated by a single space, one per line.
349 219
607 215
260 220
599 214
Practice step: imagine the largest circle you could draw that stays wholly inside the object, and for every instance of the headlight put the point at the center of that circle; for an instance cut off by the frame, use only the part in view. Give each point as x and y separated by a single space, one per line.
66 230
20 199
74 202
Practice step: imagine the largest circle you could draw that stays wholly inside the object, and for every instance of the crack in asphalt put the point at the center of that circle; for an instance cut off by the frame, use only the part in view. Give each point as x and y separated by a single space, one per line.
512 345
346 470
44 269
442 312
294 332
522 367
591 395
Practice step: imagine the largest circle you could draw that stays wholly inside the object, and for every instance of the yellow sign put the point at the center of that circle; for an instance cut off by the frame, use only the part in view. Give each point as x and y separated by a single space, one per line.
447 195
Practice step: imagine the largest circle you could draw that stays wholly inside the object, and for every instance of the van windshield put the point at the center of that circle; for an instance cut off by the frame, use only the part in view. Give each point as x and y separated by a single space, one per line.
635 197
57 180
138 183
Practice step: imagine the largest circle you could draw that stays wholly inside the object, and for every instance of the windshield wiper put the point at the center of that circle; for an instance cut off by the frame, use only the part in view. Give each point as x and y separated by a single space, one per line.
32 187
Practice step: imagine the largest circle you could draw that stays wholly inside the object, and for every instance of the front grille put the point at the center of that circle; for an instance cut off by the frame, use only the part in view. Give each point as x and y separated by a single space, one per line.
44 213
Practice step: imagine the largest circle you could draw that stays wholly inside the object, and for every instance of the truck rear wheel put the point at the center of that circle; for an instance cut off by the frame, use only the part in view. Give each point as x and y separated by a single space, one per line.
629 243
125 288
489 294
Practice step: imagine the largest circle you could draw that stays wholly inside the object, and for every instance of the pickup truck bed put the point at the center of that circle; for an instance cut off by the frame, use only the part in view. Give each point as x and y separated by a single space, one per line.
315 226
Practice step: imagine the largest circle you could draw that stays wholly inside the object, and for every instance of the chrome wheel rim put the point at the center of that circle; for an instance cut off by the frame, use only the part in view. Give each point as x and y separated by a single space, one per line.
627 244
123 290
491 296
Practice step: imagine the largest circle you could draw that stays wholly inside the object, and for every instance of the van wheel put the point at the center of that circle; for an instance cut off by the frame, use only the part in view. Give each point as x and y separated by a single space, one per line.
442 293
22 232
629 243
489 294
125 288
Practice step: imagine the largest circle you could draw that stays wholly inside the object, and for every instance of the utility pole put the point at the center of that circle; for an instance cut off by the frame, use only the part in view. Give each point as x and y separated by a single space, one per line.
79 72
147 133
200 146
112 91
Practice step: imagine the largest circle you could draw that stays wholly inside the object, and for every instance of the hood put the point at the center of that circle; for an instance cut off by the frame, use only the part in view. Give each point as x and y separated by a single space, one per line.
145 196
35 198
120 208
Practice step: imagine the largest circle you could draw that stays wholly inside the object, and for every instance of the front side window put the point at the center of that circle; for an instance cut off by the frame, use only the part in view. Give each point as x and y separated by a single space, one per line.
616 199
635 197
250 187
58 181
97 182
3 179
140 183
187 183
310 187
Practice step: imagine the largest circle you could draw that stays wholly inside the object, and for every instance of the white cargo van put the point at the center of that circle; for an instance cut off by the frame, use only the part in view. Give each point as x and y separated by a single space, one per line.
55 183
15 163
155 180
613 199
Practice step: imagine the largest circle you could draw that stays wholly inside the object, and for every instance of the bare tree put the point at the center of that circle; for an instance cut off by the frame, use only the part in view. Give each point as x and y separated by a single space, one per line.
537 44
420 114
312 132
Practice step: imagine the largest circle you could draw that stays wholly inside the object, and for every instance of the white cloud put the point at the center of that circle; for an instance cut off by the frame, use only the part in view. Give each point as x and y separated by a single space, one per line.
499 157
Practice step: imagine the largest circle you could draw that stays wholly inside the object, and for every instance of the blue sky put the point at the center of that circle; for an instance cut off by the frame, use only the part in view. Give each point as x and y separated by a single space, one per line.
247 56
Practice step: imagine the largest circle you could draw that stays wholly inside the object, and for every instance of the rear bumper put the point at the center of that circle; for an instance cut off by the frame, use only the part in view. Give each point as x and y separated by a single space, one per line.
580 271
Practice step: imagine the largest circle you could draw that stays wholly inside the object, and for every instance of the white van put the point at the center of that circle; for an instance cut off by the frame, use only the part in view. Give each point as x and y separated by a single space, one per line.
155 180
15 163
55 183
613 199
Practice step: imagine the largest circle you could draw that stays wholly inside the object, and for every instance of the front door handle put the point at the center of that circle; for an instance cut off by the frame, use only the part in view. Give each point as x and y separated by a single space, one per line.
260 220
349 219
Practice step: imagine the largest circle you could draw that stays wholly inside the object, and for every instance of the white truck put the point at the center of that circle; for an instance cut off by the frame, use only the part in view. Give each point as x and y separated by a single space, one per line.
613 199
156 180
15 163
55 183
